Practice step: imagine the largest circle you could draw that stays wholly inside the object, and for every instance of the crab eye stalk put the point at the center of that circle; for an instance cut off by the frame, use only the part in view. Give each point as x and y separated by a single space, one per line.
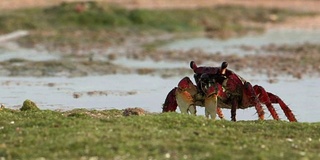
224 66
193 65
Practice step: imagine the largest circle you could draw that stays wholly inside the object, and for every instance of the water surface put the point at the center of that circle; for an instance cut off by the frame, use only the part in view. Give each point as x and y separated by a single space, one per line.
148 92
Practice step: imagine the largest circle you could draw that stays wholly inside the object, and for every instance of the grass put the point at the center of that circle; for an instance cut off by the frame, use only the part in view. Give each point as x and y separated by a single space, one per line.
99 16
90 134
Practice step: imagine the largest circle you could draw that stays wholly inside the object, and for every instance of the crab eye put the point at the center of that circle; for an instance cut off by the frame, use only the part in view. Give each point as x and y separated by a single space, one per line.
224 65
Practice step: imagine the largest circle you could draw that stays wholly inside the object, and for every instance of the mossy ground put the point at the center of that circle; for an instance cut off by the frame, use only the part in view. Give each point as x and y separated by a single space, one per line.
85 134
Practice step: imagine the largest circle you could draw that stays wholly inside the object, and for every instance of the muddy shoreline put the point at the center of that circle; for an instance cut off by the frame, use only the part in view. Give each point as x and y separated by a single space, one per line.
298 61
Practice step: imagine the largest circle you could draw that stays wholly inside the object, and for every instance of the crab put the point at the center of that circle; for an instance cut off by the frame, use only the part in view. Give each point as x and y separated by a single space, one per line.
219 87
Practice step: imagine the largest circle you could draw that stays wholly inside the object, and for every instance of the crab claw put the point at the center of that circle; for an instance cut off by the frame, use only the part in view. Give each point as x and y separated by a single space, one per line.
211 102
184 96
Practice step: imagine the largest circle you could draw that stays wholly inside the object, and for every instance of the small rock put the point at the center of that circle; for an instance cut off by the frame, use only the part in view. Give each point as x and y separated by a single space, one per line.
29 105
77 95
2 107
134 111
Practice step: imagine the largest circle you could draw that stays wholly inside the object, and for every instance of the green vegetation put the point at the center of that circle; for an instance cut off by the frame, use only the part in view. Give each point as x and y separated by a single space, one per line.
97 16
65 24
85 134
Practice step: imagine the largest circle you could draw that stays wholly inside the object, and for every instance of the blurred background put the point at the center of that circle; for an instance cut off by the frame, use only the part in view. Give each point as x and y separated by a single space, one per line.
106 54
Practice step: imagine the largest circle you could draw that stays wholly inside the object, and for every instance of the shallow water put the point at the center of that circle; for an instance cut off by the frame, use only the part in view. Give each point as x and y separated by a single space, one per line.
251 42
13 51
149 63
148 92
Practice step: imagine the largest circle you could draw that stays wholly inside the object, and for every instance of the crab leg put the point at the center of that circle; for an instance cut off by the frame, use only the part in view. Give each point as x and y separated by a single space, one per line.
264 98
170 104
219 112
252 98
234 110
287 111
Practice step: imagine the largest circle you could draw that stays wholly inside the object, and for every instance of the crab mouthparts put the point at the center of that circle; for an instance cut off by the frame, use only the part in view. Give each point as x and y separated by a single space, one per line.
209 89
212 91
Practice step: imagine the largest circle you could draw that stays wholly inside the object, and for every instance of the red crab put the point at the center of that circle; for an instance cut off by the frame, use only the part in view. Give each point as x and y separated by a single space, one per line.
219 87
